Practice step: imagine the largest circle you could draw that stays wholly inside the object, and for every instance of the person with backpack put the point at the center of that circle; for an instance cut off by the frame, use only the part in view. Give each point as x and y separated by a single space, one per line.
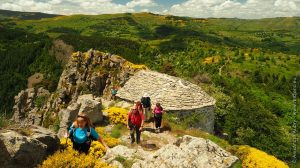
135 123
139 107
114 92
146 102
158 112
82 133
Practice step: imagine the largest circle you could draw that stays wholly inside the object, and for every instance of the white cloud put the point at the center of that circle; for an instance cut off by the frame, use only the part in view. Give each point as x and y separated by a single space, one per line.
10 6
55 2
193 8
74 6
143 3
27 5
233 8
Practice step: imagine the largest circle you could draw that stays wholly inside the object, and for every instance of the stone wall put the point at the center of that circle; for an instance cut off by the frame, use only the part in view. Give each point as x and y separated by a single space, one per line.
204 118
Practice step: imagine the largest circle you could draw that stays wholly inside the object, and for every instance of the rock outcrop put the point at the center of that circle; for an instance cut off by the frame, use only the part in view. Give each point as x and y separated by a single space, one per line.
26 147
187 151
86 77
27 104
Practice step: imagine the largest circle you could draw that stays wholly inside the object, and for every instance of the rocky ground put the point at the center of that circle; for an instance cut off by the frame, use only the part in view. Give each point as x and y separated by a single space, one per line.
165 150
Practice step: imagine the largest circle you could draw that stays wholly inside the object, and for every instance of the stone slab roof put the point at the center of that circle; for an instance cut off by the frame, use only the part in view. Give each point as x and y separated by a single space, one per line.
172 92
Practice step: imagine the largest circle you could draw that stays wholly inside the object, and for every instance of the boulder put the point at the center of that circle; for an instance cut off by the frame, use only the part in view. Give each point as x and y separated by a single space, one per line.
47 137
85 103
66 117
25 151
124 104
127 153
91 106
188 152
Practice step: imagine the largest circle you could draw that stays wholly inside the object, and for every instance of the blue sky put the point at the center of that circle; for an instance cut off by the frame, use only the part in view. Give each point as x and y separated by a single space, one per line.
248 9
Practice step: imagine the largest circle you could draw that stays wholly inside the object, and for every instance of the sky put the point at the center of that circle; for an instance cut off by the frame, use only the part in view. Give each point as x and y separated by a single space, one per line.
246 9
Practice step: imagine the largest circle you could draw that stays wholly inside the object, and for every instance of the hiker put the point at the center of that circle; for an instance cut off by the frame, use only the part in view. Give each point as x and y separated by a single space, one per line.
135 123
82 133
139 107
114 92
157 112
146 101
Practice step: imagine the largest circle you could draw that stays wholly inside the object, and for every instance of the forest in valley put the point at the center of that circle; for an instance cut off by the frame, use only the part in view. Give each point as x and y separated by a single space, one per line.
248 66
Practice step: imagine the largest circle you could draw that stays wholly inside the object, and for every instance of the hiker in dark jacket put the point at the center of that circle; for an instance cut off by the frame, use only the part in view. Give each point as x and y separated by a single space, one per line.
146 102
82 133
158 113
135 123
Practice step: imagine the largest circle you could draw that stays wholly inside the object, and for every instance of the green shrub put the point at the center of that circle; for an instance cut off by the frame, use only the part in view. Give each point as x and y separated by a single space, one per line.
125 162
40 101
3 122
116 131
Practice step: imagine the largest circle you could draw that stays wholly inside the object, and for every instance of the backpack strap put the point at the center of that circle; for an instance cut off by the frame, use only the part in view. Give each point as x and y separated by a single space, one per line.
88 132
71 135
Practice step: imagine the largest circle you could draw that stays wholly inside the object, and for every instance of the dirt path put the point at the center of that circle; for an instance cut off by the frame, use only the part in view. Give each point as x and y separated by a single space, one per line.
150 140
34 79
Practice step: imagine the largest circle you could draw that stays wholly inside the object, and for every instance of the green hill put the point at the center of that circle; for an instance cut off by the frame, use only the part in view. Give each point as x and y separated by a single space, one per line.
247 65
24 15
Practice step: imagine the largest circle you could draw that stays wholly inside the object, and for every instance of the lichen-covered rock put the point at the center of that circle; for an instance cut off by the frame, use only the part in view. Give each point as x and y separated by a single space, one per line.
188 152
27 103
66 117
26 151
125 152
85 103
90 106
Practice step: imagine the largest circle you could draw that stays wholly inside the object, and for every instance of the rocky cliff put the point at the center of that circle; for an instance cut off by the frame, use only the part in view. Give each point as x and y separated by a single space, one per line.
87 77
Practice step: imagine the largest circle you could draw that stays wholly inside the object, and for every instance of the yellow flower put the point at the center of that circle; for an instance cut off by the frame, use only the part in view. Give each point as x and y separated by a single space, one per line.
117 115
111 142
254 158
71 158
128 64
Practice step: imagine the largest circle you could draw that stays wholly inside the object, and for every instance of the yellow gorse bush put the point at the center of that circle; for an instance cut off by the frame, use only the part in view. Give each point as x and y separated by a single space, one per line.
211 60
117 115
71 158
128 64
254 158
111 142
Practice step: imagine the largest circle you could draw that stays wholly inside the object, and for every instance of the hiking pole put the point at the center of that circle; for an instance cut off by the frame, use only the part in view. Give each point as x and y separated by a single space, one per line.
153 121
